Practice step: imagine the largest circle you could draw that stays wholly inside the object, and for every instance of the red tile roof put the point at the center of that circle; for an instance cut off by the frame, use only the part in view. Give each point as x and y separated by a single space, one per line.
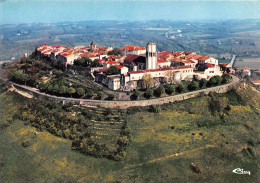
159 60
159 69
119 66
187 62
204 58
67 49
196 57
223 64
46 51
187 52
131 57
88 55
110 62
176 59
209 65
104 48
43 45
56 46
131 48
65 54
55 50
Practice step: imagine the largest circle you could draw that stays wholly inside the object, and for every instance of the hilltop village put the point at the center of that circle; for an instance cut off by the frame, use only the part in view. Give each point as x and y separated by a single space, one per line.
133 64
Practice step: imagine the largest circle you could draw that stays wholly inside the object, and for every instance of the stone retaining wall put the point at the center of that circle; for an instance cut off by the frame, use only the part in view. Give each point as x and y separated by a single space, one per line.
126 104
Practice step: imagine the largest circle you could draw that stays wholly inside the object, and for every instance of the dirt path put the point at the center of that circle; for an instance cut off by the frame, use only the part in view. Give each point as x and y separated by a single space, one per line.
168 156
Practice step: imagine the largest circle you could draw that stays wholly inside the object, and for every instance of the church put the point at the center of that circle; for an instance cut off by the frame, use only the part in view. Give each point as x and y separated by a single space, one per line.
139 65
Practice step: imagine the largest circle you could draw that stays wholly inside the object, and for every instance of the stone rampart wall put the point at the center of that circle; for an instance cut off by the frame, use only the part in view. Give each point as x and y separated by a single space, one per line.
126 104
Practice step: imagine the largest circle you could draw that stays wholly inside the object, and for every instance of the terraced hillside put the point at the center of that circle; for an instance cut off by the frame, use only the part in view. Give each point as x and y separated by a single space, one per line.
106 129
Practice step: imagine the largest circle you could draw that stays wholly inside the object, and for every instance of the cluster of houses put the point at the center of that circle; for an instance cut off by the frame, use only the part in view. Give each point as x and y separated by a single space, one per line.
134 63
67 55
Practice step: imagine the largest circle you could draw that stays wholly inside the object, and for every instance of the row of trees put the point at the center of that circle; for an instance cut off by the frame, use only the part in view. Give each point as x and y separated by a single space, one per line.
85 62
181 88
63 90
21 78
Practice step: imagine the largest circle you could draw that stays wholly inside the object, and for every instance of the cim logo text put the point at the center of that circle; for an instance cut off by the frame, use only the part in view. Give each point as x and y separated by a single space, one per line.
241 171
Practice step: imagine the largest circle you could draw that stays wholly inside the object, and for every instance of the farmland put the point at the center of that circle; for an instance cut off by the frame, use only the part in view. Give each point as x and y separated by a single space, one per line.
221 37
252 63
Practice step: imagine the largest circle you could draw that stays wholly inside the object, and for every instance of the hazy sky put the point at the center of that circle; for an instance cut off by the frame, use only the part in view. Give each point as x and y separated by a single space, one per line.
48 11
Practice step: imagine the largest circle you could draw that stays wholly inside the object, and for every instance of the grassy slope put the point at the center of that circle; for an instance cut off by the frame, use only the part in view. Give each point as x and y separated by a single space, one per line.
151 157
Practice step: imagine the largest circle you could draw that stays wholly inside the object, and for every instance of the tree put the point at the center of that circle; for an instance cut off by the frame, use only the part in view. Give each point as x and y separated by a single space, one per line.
170 76
159 91
95 63
113 70
212 81
79 62
111 96
194 85
87 61
202 83
218 79
63 90
148 80
115 51
228 70
71 91
100 94
180 88
50 88
25 67
169 89
136 94
149 93
225 78
24 78
80 91
90 93
84 61
56 89
217 104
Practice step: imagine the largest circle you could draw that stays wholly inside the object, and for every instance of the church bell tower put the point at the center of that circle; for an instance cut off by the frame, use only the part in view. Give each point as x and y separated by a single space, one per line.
92 46
151 56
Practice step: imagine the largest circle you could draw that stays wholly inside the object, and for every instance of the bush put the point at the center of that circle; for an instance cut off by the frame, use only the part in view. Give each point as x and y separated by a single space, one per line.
100 94
194 85
225 78
180 88
90 93
155 108
218 79
215 80
169 89
111 96
149 93
212 81
159 91
113 70
136 94
80 91
202 83
71 91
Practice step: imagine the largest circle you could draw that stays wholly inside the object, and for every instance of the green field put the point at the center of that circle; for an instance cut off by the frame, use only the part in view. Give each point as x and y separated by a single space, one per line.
216 138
